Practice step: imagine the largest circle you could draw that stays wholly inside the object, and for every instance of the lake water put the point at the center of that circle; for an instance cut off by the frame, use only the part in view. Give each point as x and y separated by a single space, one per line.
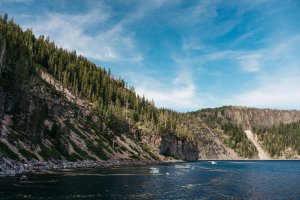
226 180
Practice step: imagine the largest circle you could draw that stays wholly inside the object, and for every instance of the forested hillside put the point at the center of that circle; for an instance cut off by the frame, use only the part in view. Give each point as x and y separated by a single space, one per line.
228 132
277 130
281 141
32 110
57 105
22 53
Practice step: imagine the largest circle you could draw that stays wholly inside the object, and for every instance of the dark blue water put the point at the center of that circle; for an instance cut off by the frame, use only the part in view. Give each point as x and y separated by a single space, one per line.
226 180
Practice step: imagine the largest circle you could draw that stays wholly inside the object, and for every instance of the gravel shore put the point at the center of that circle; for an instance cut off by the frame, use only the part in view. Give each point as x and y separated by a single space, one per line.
9 167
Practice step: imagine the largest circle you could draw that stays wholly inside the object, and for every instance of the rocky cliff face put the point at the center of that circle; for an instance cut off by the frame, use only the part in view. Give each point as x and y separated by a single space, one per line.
209 143
221 122
210 146
179 148
251 117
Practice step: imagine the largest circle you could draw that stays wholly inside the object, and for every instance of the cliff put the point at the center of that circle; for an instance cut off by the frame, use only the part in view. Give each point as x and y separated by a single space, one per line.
250 117
274 130
179 148
208 141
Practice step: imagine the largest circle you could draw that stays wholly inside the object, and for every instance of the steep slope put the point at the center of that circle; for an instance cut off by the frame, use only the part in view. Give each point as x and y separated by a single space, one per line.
251 117
262 154
278 126
55 104
281 141
67 131
209 144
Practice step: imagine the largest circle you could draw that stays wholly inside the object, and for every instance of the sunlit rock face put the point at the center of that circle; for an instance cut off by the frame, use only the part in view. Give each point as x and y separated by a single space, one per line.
252 117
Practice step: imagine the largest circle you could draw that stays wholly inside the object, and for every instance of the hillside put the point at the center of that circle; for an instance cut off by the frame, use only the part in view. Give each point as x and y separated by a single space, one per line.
251 117
277 131
56 105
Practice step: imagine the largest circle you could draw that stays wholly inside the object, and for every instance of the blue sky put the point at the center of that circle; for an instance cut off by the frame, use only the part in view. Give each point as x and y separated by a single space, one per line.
185 55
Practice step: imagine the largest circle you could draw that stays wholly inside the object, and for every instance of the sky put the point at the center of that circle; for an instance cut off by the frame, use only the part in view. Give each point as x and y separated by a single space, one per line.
185 55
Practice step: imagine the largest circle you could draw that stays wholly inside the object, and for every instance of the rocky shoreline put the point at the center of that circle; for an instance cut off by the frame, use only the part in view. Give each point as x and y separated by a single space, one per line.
9 167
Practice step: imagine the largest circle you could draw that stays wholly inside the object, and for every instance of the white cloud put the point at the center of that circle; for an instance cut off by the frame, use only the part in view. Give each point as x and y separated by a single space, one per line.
274 65
280 91
251 62
179 93
113 42
278 80
72 31
175 97
277 72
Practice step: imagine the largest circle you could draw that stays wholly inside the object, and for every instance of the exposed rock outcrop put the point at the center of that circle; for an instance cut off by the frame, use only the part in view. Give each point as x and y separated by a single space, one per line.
209 144
216 119
262 154
211 147
251 117
179 148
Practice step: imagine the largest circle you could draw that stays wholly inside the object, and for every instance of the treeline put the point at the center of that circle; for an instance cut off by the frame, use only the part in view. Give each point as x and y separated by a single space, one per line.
277 139
21 53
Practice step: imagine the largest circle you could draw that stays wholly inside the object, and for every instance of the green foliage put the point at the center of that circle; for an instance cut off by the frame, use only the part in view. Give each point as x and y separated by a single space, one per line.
232 135
277 139
22 58
153 155
110 97
75 130
134 157
116 124
27 154
47 153
54 132
73 157
97 149
15 136
80 152
237 140
6 152
36 120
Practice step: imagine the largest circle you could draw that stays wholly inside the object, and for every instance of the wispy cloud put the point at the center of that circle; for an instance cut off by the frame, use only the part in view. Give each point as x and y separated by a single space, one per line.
71 31
180 98
278 82
250 63
185 55
179 93
279 91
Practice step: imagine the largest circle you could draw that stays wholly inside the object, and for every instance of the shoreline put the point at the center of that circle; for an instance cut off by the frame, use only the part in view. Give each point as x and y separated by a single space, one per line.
9 167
